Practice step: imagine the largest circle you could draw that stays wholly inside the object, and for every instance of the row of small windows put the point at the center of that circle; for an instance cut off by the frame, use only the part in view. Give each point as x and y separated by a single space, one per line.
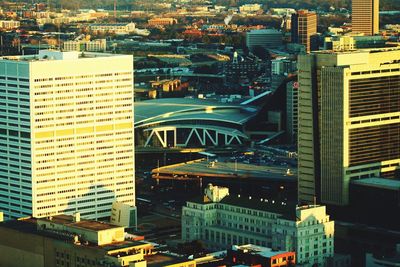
9 91
76 77
14 79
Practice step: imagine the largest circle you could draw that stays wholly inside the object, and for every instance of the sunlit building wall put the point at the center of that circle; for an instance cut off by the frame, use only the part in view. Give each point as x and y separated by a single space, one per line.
349 121
365 16
67 138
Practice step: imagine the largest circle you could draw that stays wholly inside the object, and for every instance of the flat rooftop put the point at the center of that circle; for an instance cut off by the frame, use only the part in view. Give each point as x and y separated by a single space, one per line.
262 251
376 182
160 260
68 220
229 169
286 210
47 55
124 244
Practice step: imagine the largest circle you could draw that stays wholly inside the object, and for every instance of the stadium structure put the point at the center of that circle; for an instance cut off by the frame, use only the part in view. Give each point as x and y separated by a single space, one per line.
191 122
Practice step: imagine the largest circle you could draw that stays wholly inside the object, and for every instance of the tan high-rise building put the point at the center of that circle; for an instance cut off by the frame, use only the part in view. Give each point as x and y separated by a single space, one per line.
365 16
66 134
304 29
349 121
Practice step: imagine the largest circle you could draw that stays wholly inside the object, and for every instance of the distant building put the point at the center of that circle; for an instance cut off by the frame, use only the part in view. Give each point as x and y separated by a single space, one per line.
304 29
99 45
283 66
240 69
282 11
221 220
167 85
393 27
250 8
9 24
353 42
340 43
365 16
252 255
162 21
266 38
117 28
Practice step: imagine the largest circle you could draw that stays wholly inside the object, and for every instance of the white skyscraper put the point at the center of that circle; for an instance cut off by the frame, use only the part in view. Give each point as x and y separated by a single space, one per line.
66 134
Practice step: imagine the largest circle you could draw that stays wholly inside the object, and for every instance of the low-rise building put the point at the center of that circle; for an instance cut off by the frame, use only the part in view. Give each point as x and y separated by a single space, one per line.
167 85
123 214
260 256
248 8
117 28
162 21
99 45
64 240
352 42
9 24
68 241
221 220
240 69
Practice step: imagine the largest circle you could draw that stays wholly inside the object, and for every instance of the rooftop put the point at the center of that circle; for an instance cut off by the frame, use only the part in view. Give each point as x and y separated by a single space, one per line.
47 55
265 31
160 260
262 251
172 109
382 183
91 225
110 24
124 244
230 169
288 210
361 50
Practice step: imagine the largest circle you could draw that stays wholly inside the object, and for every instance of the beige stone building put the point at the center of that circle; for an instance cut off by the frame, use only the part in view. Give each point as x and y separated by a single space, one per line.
221 220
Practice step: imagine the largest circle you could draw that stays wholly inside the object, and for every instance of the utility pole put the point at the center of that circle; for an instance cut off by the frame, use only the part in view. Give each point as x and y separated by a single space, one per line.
1 45
115 10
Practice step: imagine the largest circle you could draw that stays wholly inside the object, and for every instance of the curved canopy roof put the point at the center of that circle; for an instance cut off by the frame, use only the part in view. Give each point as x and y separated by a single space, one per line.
177 109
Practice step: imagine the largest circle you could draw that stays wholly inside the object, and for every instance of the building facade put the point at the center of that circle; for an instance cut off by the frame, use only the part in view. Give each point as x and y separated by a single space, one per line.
162 21
292 110
9 24
349 121
67 137
250 8
118 28
99 45
266 38
221 220
304 29
365 16
62 240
